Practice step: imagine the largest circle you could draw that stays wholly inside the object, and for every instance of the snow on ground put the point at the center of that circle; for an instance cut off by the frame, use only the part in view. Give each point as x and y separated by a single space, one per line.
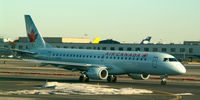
78 89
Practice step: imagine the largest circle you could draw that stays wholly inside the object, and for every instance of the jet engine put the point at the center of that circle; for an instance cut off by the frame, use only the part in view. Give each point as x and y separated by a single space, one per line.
139 76
97 73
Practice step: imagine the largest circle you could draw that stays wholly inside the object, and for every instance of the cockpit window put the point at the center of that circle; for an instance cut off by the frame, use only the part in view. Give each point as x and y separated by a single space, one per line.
170 59
166 59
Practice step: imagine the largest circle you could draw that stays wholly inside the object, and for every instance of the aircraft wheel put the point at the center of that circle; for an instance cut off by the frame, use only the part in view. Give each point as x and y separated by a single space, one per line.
112 78
83 78
87 79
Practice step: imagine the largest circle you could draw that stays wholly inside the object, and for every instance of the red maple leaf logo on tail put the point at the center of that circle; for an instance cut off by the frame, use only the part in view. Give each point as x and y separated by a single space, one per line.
32 37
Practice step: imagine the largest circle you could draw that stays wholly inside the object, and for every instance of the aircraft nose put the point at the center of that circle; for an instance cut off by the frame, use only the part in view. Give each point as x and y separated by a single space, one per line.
181 69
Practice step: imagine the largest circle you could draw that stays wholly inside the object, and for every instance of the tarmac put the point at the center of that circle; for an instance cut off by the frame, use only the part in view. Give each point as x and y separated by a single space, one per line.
19 75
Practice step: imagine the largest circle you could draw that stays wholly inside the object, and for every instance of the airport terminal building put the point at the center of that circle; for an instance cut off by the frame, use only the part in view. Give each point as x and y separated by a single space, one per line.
188 51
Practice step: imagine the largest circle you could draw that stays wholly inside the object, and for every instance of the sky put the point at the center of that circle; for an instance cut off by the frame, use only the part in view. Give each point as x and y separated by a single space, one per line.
129 21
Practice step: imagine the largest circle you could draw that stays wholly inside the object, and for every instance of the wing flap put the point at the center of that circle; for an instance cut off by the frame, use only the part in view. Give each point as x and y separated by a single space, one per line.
66 65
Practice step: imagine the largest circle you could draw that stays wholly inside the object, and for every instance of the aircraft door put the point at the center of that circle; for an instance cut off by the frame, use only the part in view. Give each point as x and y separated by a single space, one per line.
154 62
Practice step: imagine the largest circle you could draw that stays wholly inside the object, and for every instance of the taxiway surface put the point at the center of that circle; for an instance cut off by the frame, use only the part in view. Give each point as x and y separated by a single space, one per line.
174 90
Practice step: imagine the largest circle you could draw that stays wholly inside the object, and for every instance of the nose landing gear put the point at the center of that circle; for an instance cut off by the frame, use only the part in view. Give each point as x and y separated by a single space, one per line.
163 79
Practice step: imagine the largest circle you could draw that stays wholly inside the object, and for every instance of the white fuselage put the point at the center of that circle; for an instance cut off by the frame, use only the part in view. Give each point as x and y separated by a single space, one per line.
117 62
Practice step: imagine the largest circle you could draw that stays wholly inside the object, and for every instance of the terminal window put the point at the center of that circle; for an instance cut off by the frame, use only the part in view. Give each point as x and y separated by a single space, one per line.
173 49
190 50
103 48
73 47
137 49
13 47
80 47
164 49
146 49
129 49
20 47
88 47
182 49
112 48
155 49
120 49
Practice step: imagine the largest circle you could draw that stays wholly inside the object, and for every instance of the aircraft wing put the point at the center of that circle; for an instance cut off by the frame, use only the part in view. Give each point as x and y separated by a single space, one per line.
23 51
66 65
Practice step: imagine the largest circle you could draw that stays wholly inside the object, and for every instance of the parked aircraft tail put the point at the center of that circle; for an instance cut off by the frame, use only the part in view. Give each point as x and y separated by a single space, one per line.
96 40
148 39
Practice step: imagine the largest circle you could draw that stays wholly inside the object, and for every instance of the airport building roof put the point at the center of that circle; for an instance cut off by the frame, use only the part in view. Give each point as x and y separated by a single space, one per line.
58 40
191 42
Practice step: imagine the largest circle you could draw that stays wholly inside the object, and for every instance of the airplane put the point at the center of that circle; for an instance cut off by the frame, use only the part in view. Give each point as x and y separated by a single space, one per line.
146 40
99 64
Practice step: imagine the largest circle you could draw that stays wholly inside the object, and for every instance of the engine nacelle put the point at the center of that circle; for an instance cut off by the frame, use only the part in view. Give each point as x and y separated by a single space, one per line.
139 76
97 73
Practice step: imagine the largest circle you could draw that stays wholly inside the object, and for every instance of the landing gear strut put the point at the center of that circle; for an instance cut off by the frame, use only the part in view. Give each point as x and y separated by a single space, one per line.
83 78
163 79
112 78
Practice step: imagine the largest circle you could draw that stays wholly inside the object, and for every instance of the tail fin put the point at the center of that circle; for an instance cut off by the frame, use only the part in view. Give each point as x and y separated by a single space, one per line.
35 40
148 39
96 40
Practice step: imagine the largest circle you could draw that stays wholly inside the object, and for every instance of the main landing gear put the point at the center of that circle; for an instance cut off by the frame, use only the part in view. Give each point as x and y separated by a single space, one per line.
83 78
112 78
163 79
